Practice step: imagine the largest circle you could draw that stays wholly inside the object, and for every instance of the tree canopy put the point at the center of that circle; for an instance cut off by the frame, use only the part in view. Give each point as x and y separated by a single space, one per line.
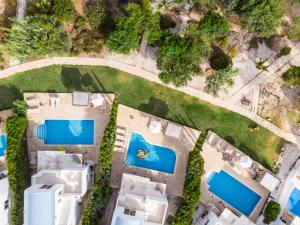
214 25
130 29
220 79
96 14
37 35
262 16
271 212
179 58
292 76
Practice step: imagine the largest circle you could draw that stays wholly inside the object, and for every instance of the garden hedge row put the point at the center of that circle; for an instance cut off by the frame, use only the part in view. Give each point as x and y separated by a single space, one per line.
98 200
17 165
192 185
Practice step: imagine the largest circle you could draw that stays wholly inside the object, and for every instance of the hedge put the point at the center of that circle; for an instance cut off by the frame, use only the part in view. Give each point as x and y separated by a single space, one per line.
192 185
17 165
99 198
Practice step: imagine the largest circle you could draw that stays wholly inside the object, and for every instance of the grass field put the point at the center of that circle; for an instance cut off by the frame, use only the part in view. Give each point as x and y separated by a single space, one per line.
149 97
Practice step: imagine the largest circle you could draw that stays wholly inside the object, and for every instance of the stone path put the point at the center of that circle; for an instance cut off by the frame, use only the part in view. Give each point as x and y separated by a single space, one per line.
151 77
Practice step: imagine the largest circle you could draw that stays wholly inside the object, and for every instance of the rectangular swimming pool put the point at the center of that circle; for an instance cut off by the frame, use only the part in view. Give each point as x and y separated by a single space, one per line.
156 157
233 192
293 204
66 132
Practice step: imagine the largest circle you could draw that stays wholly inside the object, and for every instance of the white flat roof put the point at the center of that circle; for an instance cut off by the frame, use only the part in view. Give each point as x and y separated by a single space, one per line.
81 98
39 205
56 160
270 182
173 130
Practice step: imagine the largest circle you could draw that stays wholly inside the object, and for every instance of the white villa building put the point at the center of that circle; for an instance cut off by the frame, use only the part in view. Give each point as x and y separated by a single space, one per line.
57 190
289 198
5 199
140 202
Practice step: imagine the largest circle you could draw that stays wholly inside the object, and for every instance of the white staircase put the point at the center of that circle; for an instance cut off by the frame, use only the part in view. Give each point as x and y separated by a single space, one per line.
66 209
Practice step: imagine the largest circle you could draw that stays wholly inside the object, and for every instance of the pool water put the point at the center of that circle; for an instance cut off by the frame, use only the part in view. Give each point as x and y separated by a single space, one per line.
233 192
293 204
66 132
3 144
159 158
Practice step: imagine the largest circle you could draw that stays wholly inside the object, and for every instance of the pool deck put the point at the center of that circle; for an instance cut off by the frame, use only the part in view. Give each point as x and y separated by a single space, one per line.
131 120
64 109
214 162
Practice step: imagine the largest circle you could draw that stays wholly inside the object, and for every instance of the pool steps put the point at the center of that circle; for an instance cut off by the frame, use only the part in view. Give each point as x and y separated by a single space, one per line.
41 131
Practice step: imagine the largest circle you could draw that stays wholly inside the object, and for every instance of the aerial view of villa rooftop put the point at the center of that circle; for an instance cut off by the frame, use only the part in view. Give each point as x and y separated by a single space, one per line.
150 158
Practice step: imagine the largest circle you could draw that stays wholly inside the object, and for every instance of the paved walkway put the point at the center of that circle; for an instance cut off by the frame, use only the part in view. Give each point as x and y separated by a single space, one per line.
154 78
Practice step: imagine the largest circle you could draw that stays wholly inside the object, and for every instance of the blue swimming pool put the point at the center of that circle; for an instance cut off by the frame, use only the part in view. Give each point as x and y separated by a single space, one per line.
3 144
233 192
158 158
293 204
66 132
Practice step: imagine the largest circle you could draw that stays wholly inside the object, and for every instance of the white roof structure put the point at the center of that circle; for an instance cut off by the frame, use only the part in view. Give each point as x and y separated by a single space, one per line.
226 218
81 98
155 126
270 182
5 199
56 190
245 161
40 205
56 160
173 130
140 202
96 99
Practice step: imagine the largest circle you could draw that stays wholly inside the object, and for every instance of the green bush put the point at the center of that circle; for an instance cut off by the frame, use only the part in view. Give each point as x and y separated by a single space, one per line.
96 14
37 35
214 25
220 62
271 212
17 165
64 9
283 52
192 185
292 76
130 29
20 107
99 197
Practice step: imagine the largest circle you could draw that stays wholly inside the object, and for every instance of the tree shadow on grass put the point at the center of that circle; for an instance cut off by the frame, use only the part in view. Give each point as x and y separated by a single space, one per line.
155 107
71 78
8 94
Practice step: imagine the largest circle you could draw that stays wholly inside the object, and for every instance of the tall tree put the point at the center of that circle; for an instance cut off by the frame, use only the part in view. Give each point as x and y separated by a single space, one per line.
179 58
131 28
36 36
214 25
262 16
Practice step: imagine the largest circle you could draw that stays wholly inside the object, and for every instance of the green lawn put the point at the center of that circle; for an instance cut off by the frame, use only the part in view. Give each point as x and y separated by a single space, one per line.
149 97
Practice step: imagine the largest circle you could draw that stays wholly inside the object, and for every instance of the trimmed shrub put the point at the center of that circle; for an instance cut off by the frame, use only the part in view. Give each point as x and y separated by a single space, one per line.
192 185
17 165
292 76
214 25
64 9
96 14
99 197
20 107
283 52
220 62
271 212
